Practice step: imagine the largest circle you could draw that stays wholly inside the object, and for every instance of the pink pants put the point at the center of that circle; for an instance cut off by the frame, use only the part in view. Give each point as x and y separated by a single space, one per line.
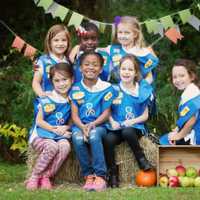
51 156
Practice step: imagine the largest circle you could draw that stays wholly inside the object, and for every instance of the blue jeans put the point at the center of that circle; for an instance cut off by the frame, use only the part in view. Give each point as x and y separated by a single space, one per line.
93 163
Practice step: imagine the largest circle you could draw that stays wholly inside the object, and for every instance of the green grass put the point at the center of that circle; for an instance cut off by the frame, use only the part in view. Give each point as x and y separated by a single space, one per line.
12 187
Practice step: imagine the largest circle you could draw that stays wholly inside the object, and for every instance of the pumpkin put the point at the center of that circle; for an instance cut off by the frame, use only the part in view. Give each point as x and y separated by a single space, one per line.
145 178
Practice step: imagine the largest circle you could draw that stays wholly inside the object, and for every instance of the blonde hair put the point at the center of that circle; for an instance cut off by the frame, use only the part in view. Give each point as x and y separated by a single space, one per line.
139 41
52 32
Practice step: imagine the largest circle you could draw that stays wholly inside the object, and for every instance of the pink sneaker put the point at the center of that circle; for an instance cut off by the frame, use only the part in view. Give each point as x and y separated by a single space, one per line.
32 184
99 184
88 183
45 183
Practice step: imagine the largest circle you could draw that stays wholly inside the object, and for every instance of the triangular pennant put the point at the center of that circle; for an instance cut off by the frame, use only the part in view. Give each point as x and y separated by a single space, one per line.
52 8
45 4
167 22
185 15
75 19
113 32
61 12
195 22
29 51
151 25
102 27
36 1
160 30
173 35
18 43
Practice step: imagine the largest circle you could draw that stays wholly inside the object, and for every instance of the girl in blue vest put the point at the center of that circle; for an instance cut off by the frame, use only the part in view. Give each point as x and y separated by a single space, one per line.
187 131
88 35
49 137
91 101
129 112
57 46
129 40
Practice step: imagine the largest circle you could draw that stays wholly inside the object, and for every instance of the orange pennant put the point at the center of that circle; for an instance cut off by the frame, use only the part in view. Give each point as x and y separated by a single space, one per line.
18 43
29 51
173 35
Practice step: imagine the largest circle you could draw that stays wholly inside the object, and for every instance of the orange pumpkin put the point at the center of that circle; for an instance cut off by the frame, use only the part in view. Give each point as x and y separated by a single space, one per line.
145 178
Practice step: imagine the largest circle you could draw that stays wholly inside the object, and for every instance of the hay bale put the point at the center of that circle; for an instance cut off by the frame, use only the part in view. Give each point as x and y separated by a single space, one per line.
126 161
69 171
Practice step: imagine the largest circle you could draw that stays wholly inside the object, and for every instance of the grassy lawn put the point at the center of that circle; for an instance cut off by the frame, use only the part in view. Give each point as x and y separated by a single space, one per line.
12 188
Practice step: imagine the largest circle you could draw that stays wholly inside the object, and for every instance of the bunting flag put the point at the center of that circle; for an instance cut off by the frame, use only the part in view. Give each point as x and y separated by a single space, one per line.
198 5
185 15
18 43
151 25
52 8
45 4
173 35
160 30
102 27
61 12
167 22
30 51
36 1
75 19
113 32
195 22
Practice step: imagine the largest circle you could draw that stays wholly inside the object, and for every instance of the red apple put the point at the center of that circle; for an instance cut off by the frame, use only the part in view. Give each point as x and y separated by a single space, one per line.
173 181
180 170
164 181
172 172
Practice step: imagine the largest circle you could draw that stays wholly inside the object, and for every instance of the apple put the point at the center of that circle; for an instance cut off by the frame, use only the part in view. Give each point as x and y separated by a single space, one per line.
164 181
172 172
185 181
191 172
197 181
180 170
173 181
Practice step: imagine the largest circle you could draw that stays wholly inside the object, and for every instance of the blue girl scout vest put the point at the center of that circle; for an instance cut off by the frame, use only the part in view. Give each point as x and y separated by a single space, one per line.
105 74
147 63
185 112
91 104
56 114
127 106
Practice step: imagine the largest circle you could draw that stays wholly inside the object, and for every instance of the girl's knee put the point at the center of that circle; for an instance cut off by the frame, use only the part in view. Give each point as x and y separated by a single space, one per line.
77 138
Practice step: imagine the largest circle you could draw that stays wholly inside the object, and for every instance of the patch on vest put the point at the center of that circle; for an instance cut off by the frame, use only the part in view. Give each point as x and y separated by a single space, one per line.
50 107
184 111
108 96
116 58
78 95
148 63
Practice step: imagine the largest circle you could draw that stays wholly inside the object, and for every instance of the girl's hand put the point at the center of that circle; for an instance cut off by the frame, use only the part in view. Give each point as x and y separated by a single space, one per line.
60 130
172 137
67 134
115 125
128 122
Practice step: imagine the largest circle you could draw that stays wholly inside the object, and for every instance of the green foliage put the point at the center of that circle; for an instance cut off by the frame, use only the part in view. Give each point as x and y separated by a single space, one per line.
14 137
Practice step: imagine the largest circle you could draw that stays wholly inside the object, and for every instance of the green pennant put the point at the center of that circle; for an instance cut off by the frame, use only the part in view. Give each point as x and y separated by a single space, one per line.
61 12
102 27
45 4
75 19
167 22
185 15
151 25
198 5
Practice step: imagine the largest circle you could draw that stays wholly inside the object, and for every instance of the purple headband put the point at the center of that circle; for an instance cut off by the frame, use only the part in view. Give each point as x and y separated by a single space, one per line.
117 20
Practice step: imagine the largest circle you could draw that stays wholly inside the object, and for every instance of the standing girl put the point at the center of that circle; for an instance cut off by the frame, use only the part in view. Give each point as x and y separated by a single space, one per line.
88 36
91 99
49 137
130 41
57 46
129 112
187 131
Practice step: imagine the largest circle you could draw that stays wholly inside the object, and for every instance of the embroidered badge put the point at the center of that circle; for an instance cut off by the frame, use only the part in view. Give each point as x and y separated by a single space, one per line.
108 96
50 107
148 63
184 111
116 58
78 95
117 101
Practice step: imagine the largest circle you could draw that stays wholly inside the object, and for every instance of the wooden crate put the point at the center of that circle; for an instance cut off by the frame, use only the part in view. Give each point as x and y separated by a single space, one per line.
171 156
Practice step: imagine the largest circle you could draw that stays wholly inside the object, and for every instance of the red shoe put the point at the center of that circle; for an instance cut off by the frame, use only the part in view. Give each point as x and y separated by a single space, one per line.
45 183
99 184
32 184
88 186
